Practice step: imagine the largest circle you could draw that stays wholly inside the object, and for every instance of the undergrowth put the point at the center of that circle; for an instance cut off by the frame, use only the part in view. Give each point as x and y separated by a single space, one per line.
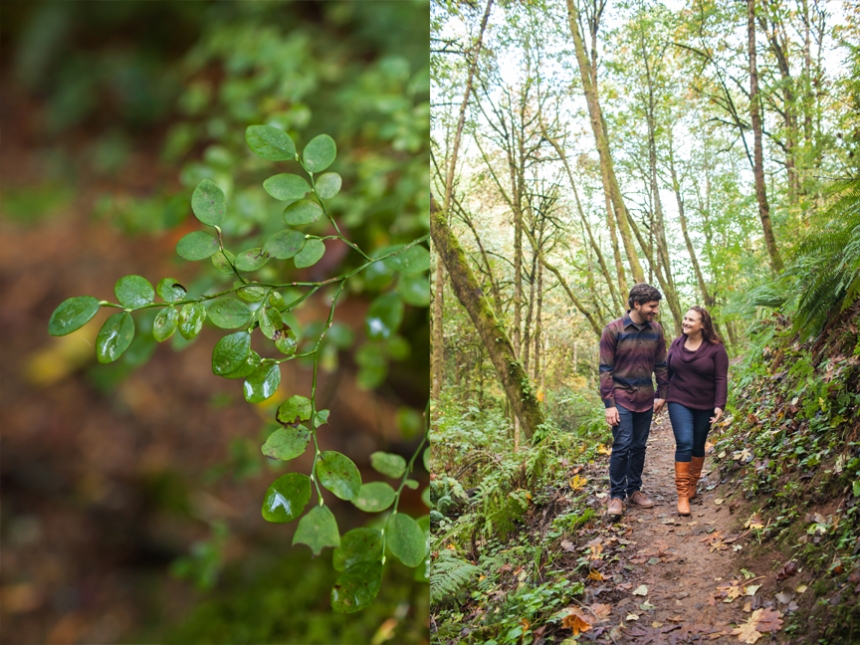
792 441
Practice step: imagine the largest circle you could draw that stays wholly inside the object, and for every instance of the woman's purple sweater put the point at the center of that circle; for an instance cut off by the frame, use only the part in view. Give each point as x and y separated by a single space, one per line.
698 380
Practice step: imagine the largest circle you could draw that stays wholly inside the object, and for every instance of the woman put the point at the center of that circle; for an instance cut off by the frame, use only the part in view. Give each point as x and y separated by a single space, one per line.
698 365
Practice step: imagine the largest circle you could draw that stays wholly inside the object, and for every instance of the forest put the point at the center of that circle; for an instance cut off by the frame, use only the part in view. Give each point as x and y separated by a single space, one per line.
712 150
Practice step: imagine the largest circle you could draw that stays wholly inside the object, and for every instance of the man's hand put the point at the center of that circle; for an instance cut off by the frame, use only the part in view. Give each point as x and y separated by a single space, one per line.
717 414
612 416
658 405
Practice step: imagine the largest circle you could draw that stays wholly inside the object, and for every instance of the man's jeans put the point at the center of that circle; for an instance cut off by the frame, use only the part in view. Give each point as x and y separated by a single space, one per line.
628 451
691 430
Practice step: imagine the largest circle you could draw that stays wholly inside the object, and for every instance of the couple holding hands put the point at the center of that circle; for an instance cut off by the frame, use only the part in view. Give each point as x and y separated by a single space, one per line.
691 378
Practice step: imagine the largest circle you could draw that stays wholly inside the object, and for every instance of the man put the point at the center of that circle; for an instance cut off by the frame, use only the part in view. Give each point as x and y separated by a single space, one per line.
631 348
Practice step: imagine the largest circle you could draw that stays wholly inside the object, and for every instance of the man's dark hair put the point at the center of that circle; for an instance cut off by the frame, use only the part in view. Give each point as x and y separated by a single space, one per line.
643 293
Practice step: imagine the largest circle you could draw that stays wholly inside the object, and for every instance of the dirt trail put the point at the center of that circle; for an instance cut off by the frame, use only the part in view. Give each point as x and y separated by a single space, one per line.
681 560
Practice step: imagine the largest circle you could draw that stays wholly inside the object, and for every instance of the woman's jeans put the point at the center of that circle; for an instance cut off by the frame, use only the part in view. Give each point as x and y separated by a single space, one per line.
628 452
691 431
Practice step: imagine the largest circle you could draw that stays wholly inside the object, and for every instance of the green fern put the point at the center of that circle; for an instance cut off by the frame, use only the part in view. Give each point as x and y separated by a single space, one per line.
449 575
829 263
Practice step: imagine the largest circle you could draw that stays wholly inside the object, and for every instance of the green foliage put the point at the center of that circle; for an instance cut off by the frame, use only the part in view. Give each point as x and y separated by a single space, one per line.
451 575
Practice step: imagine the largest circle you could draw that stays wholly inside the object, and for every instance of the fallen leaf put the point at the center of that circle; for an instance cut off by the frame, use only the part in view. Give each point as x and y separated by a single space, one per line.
600 611
785 597
576 621
769 620
646 606
788 569
577 483
748 606
641 590
567 545
632 617
747 633
719 501
656 624
750 590
604 450
595 575
754 522
801 588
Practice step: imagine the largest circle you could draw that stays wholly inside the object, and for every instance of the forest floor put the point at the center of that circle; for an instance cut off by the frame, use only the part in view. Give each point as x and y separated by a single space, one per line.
679 579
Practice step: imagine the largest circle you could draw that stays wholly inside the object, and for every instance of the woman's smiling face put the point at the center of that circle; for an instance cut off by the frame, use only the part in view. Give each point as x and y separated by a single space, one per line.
692 322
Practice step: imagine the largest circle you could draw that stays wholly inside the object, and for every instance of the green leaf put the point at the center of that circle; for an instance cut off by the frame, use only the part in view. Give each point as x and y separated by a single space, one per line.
358 545
312 252
165 324
285 340
415 259
286 186
356 588
270 321
337 473
134 291
411 483
270 143
247 368
285 244
328 185
317 529
287 443
229 313
294 410
406 540
262 383
426 458
388 464
230 352
321 418
72 314
415 290
286 498
191 318
319 153
114 337
377 276
425 497
374 497
252 293
855 488
197 246
222 261
302 212
384 316
277 301
208 203
170 290
251 260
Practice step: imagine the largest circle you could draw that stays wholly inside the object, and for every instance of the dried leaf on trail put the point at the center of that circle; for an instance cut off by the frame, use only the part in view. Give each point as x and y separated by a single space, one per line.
641 590
632 617
577 483
604 450
747 633
595 575
785 597
600 611
576 621
729 592
750 590
769 620
754 522
568 546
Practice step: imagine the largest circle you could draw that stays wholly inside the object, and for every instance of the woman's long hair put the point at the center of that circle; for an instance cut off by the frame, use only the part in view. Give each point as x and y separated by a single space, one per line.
708 332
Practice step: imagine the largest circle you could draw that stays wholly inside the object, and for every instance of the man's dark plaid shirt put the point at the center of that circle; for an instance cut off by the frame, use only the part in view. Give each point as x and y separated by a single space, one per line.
629 353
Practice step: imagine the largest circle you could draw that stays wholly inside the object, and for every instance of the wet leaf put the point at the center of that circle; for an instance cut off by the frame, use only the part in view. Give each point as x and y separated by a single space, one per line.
263 383
319 153
165 324
374 497
286 498
197 246
304 211
252 293
72 314
415 259
222 261
357 587
286 186
208 203
229 313
248 367
191 318
328 185
134 292
317 529
170 290
338 473
295 409
230 352
287 443
114 337
406 539
384 316
358 545
270 143
311 253
251 260
388 464
285 340
415 290
285 244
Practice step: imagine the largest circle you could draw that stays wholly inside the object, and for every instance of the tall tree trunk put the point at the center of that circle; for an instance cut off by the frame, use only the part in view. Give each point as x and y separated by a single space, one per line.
513 378
438 335
527 335
776 262
538 372
611 187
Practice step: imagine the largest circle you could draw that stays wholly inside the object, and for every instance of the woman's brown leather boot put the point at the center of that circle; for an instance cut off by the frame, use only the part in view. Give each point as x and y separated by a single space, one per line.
682 482
695 473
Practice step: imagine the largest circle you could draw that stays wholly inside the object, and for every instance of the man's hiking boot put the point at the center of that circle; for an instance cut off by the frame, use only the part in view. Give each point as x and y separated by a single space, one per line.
682 482
695 473
640 499
615 510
